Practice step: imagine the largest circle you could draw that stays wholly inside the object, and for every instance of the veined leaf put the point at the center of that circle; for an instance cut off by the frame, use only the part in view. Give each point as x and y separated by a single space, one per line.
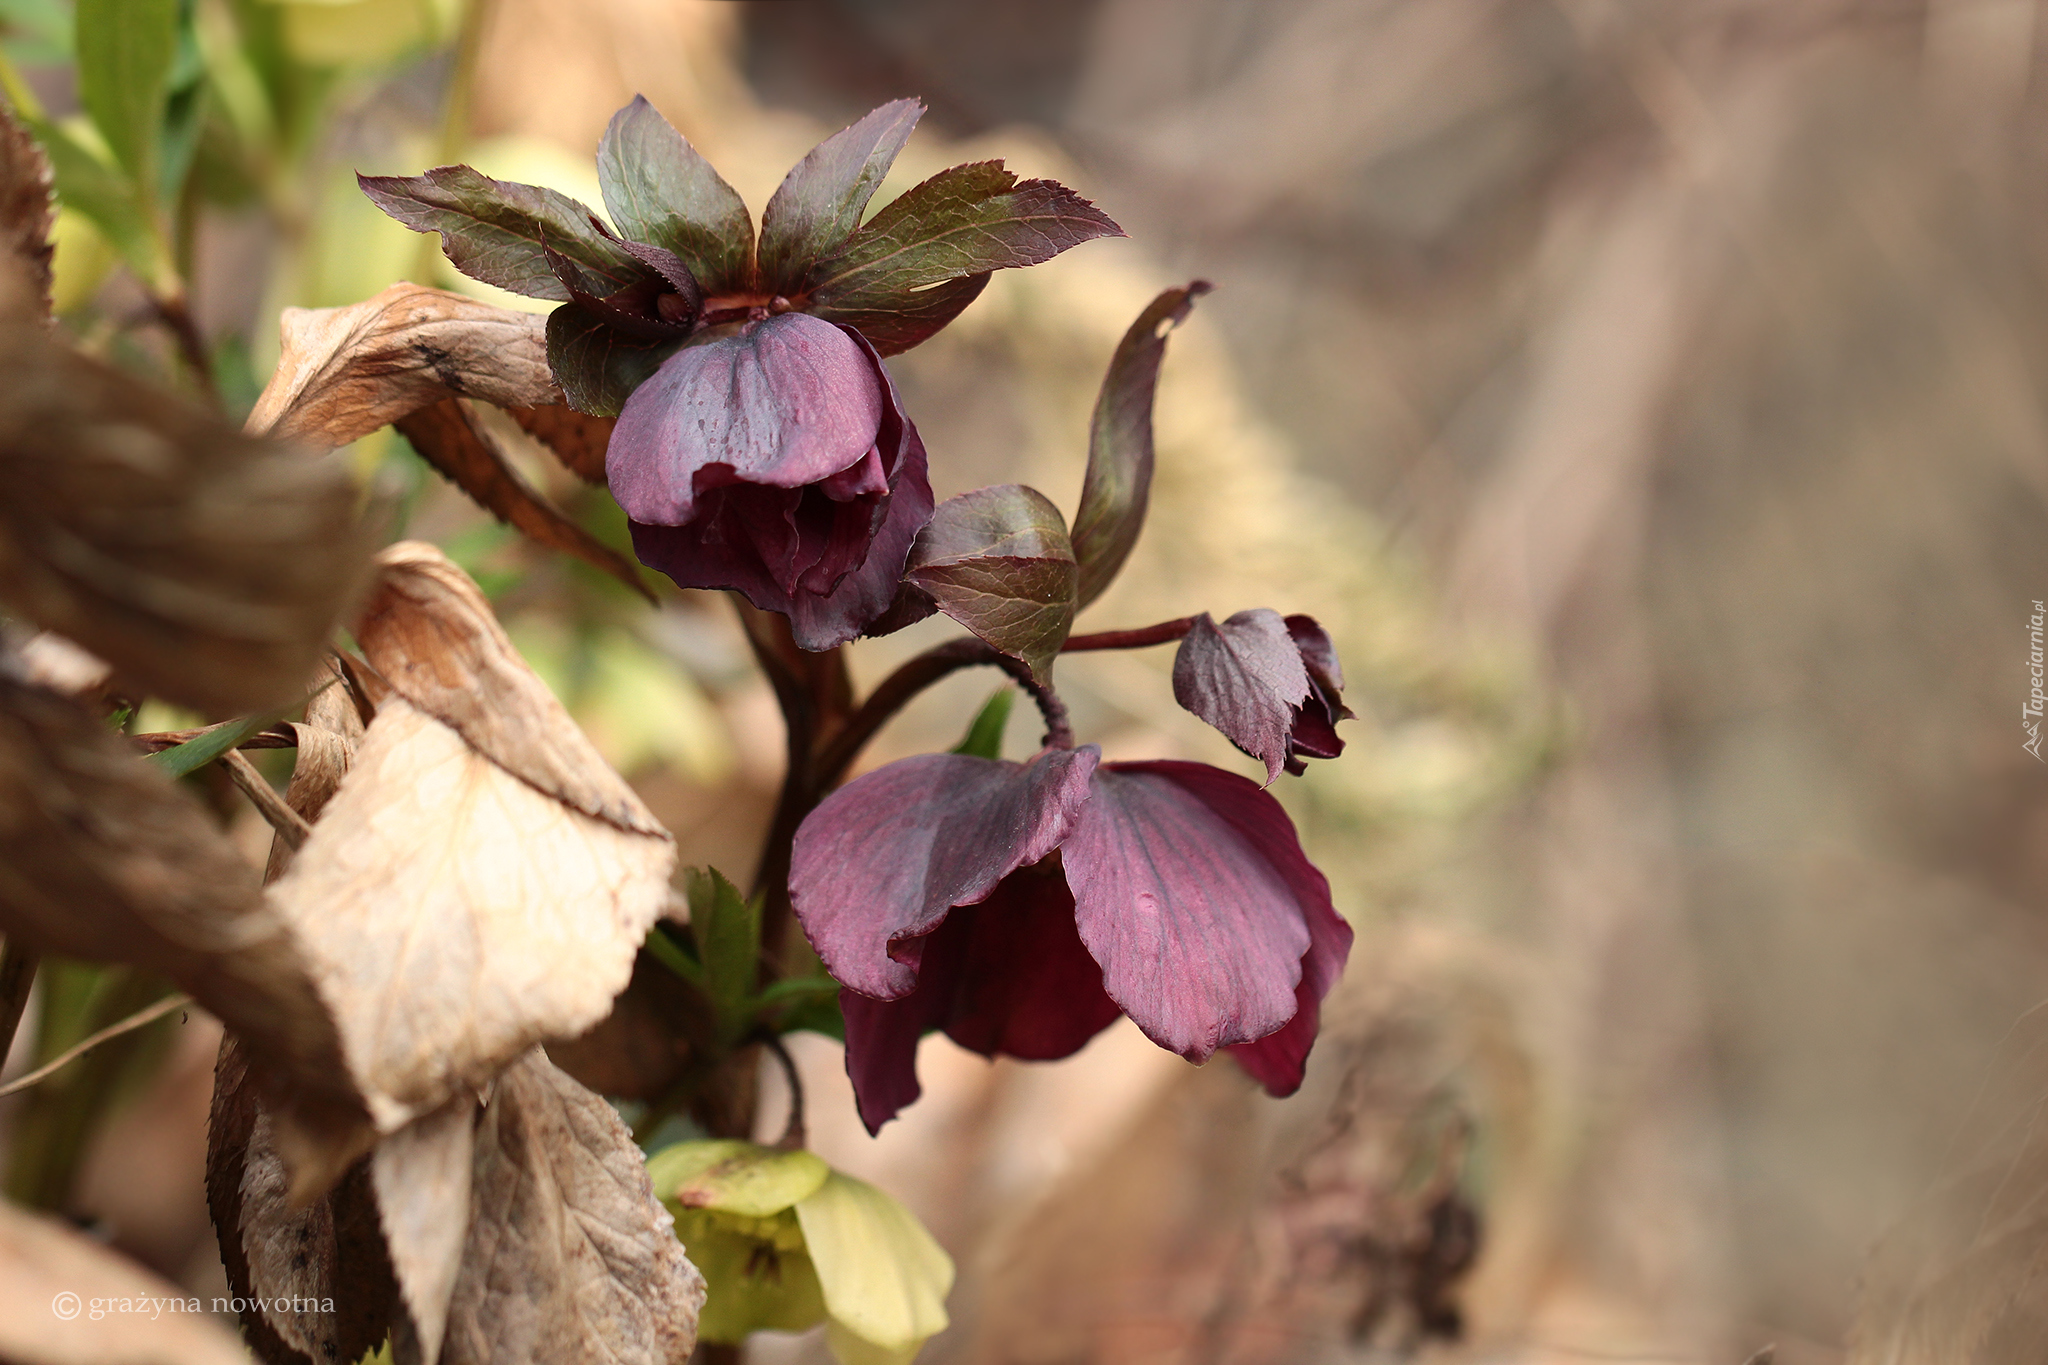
727 928
493 230
998 561
125 51
819 203
660 191
598 366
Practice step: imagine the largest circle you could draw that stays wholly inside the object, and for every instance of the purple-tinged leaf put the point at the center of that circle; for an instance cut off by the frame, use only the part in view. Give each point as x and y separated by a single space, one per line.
676 271
893 324
660 191
782 403
882 860
633 310
1246 678
1315 726
597 365
1199 928
494 230
968 220
1007 976
1118 484
819 203
997 560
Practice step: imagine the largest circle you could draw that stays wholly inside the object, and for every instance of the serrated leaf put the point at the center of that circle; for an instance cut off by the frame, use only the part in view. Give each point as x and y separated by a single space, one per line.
660 191
730 1176
984 738
895 323
727 928
577 439
964 221
884 1278
598 366
1118 484
1246 678
125 50
449 437
345 372
26 216
819 203
998 561
494 230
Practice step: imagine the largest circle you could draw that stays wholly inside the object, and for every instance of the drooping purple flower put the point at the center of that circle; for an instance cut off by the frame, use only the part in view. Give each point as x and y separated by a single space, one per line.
775 461
1180 897
1273 686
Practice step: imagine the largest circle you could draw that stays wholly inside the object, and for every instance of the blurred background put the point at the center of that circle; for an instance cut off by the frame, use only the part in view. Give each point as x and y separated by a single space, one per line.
1648 398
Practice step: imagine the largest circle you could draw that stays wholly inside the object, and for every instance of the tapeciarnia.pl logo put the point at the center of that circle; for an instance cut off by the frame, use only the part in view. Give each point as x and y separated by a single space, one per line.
2030 714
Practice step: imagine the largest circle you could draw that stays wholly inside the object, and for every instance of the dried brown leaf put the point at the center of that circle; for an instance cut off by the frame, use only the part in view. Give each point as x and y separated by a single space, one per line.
578 439
428 631
327 745
347 371
421 1175
102 857
454 914
25 214
314 1282
42 1262
448 436
206 567
570 1257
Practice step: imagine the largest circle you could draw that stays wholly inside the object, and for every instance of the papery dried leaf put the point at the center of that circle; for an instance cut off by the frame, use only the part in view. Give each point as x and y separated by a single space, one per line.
1118 484
570 1257
25 215
455 914
327 745
449 437
819 202
207 568
496 230
102 857
659 190
998 561
231 1122
50 1274
431 635
577 438
421 1175
967 220
345 372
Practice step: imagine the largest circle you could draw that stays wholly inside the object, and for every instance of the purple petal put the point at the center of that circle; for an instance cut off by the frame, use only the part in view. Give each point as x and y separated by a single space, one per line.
1195 912
1008 976
1246 678
880 861
784 402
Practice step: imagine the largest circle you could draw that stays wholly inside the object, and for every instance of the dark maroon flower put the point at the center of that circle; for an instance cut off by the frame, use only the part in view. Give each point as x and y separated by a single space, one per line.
1272 686
1180 897
775 461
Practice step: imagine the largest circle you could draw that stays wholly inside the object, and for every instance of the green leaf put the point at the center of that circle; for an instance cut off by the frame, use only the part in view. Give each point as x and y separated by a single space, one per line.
884 1278
895 323
674 956
730 1176
196 753
965 221
727 928
492 230
998 561
99 193
125 52
597 366
660 191
984 738
1118 483
818 204
752 1283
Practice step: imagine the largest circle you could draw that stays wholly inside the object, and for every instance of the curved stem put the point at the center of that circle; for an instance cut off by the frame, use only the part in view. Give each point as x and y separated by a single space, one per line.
792 1132
1166 632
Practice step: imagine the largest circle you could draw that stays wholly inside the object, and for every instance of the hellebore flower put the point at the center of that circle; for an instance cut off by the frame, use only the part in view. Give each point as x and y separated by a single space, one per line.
1180 896
1272 686
786 1242
775 461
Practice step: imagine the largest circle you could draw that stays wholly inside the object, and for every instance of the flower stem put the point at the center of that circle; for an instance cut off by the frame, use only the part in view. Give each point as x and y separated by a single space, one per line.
1166 632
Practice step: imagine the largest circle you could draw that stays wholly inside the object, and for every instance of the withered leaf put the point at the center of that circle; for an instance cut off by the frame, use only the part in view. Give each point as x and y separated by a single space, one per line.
206 567
427 629
347 371
578 439
25 215
570 1257
101 857
448 436
421 1175
327 741
230 1124
41 1262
